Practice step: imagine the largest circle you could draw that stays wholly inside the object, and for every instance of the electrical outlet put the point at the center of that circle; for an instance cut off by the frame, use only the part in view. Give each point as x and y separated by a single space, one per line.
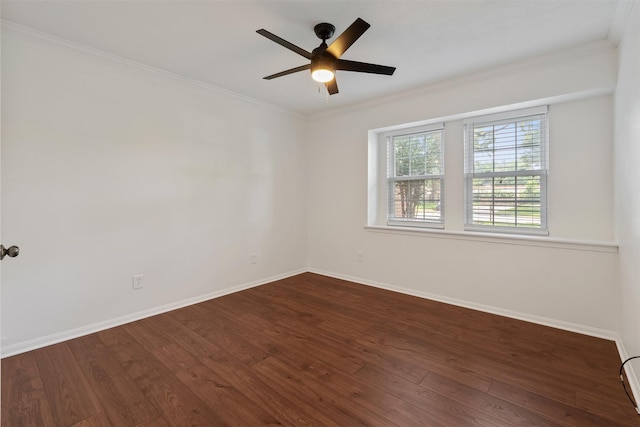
360 256
137 281
253 258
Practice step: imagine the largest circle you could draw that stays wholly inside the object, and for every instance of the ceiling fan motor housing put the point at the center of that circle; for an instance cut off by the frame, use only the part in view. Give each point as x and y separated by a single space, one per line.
324 60
324 30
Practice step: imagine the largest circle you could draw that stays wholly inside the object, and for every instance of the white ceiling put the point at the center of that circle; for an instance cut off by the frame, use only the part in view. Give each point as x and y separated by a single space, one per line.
215 42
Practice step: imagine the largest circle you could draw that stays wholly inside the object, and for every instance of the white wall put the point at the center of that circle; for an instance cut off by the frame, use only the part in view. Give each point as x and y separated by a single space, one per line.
627 177
110 170
572 286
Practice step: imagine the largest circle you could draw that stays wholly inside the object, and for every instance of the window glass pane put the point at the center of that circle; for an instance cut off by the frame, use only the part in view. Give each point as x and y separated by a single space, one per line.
433 155
504 136
507 201
402 148
505 159
417 199
483 138
418 154
510 146
529 140
526 157
483 161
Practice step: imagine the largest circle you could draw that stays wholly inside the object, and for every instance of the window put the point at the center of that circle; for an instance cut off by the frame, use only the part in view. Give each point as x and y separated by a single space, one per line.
415 177
506 172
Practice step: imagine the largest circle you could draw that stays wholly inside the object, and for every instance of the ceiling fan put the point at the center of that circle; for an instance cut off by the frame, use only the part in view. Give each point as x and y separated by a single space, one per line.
325 60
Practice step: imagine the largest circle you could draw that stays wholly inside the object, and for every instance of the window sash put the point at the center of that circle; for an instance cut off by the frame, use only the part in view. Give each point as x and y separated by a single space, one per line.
507 212
515 206
415 198
415 204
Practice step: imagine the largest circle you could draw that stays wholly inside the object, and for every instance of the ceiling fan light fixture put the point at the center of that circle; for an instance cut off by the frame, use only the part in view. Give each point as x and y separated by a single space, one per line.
322 75
323 68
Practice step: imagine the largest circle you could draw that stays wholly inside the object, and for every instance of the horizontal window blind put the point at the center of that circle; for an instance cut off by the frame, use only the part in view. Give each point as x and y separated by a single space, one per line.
506 172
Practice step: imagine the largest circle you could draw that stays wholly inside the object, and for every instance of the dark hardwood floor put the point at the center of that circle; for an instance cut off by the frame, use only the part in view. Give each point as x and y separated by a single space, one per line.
315 351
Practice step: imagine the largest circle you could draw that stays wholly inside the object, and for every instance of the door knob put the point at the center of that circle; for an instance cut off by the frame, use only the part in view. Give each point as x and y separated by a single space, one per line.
11 251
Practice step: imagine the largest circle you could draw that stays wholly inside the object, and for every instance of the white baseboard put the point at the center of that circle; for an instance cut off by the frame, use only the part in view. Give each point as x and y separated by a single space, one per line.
40 342
559 324
632 379
634 385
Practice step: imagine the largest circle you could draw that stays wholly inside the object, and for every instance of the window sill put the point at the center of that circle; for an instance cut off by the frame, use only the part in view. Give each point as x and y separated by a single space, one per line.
523 240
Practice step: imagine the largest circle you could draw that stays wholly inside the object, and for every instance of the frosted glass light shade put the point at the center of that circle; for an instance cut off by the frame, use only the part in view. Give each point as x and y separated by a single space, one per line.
322 75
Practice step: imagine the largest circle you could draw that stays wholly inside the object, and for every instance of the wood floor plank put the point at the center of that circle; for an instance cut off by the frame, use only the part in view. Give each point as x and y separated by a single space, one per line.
172 399
179 333
558 412
97 420
316 407
24 401
221 332
603 405
70 395
136 361
493 364
484 403
347 337
217 393
408 322
341 411
311 350
94 357
394 411
248 382
340 357
178 405
123 402
445 410
158 422
383 404
146 335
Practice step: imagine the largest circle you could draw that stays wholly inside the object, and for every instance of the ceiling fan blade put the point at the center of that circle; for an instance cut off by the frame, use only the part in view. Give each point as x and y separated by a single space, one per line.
283 42
348 37
363 67
286 72
332 86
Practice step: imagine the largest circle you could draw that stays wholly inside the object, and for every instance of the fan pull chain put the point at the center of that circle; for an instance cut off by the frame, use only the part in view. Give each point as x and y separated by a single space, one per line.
326 93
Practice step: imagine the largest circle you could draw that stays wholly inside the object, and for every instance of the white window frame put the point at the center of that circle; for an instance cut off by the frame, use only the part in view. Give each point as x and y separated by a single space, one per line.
392 178
542 172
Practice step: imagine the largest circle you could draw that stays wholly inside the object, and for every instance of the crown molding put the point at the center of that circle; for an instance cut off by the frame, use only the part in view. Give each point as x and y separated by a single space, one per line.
557 57
620 17
622 11
41 35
